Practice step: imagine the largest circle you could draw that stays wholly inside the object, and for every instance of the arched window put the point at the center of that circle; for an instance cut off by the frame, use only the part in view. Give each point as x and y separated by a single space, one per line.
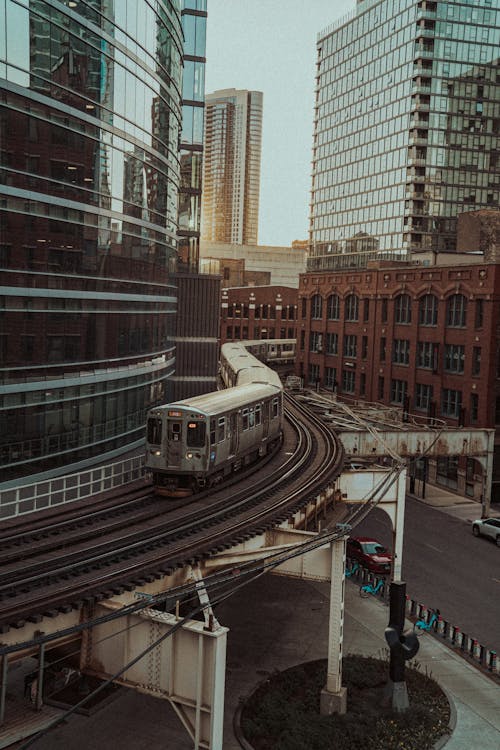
402 308
351 307
456 311
333 307
428 310
316 307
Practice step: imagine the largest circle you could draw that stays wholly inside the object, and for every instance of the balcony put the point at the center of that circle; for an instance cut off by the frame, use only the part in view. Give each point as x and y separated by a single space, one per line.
427 54
418 123
426 15
421 88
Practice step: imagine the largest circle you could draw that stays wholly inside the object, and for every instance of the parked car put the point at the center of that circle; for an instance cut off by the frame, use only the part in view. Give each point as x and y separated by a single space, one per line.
487 527
370 553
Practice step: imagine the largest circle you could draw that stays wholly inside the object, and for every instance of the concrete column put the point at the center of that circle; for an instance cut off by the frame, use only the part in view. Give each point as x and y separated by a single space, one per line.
333 697
398 526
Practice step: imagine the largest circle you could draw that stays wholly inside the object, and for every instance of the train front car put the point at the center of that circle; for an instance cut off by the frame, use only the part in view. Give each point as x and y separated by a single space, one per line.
199 442
176 448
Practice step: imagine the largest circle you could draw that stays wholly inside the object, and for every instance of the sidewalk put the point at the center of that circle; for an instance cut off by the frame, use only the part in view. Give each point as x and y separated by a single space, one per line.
452 504
275 623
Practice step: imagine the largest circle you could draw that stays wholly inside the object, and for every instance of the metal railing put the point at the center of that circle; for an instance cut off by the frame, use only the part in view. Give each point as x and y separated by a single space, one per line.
50 493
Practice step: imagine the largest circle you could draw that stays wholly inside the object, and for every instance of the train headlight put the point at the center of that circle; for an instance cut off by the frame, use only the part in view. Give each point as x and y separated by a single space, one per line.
156 453
189 455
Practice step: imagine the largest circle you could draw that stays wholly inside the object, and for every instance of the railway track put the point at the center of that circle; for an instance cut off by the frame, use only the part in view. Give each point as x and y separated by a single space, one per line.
57 566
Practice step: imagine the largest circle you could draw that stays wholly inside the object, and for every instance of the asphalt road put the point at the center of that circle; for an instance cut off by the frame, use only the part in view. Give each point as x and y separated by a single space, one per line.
446 567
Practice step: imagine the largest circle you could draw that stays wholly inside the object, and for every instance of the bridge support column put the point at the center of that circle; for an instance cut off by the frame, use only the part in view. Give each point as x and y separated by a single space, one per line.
333 697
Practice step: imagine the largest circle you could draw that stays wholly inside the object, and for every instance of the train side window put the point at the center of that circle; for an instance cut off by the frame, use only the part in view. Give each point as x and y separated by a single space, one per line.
274 408
258 415
251 417
154 430
221 429
244 419
212 432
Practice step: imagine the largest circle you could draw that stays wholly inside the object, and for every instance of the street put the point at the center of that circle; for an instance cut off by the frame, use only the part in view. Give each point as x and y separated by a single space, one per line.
446 567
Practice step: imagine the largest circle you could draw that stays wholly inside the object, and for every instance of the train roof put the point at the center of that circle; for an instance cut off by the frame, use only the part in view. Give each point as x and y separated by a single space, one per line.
219 402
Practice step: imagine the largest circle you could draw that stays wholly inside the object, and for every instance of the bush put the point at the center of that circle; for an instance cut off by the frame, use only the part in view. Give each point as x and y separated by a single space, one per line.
283 713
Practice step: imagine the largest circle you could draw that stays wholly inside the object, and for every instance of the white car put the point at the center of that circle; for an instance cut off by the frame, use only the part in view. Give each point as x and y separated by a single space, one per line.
487 527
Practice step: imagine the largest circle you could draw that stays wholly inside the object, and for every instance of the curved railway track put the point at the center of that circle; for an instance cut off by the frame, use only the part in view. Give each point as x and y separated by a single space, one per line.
57 566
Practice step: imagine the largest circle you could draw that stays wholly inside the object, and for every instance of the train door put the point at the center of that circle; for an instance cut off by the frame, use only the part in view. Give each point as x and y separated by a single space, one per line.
265 419
233 434
174 442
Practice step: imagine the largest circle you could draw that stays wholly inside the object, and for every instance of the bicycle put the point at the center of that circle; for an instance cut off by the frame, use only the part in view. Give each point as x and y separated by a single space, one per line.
352 570
367 589
422 626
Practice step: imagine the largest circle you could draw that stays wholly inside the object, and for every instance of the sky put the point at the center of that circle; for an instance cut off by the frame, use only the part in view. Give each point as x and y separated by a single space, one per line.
270 46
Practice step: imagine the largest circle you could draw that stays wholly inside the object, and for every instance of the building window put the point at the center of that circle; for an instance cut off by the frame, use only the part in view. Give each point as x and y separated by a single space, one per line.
428 310
451 403
454 355
333 307
348 381
382 349
302 340
351 307
398 391
447 471
474 407
366 310
384 311
364 347
479 316
401 351
315 342
362 384
456 311
331 377
423 396
381 388
313 374
402 309
316 307
304 309
350 345
476 360
332 343
427 355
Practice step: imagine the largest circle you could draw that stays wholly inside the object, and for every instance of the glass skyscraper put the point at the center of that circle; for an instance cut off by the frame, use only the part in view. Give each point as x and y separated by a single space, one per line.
231 171
407 127
90 119
194 22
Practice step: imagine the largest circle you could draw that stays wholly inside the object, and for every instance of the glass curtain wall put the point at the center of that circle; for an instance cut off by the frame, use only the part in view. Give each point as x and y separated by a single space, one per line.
407 127
90 118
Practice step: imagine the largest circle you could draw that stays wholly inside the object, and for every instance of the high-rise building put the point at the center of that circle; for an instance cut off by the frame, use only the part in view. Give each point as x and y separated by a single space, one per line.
90 117
194 21
231 172
407 127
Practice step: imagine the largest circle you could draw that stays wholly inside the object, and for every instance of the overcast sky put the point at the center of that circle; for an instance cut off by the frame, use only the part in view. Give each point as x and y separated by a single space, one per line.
270 46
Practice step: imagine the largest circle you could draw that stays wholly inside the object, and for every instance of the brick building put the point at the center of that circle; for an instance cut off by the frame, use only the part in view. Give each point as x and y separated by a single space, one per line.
259 312
421 338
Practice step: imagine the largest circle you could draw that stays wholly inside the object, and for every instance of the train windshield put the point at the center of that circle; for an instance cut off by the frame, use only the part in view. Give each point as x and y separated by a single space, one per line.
196 432
154 430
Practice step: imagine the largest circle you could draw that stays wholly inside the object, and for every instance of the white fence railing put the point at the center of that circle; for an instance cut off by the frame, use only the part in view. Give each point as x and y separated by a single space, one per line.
29 498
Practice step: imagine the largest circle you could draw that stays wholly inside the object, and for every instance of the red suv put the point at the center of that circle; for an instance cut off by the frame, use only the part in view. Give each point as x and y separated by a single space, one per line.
369 553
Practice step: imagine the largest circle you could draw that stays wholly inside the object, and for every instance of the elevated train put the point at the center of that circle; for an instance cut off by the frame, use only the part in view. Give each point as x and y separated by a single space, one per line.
198 442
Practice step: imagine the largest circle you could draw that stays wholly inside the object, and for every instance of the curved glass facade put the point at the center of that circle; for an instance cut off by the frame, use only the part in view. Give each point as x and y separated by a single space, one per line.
90 122
407 126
